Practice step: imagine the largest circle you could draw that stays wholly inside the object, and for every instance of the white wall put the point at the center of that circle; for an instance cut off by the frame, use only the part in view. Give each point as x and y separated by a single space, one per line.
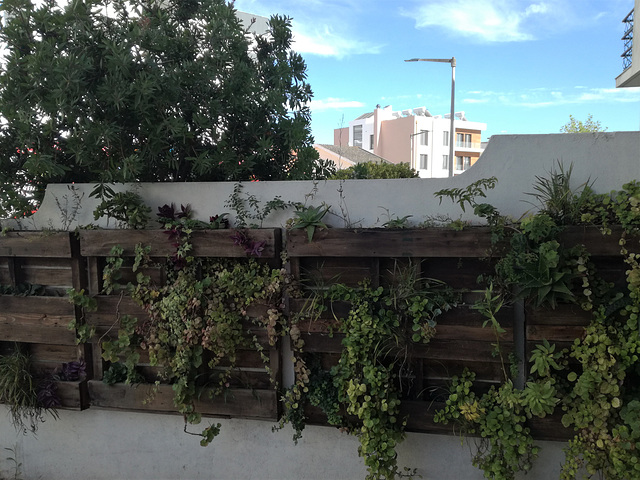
106 445
609 159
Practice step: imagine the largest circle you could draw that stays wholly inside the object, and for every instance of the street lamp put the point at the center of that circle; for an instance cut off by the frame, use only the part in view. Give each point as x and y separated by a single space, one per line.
452 61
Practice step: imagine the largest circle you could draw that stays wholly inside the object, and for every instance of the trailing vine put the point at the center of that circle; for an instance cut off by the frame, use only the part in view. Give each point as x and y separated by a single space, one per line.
203 312
596 381
362 392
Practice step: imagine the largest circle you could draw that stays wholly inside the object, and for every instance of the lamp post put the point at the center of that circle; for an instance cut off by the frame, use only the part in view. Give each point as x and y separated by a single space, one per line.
452 61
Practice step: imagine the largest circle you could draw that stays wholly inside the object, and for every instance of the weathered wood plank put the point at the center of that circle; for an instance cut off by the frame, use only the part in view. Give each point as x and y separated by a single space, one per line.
57 354
55 272
596 243
239 403
73 395
206 243
50 309
36 320
35 244
58 335
334 242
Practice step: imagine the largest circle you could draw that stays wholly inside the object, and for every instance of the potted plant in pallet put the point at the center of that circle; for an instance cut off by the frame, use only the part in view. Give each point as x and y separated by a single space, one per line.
186 317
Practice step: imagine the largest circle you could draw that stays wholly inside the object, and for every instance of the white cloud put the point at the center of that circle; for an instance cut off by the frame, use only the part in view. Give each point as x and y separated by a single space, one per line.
320 27
334 104
324 41
485 20
540 98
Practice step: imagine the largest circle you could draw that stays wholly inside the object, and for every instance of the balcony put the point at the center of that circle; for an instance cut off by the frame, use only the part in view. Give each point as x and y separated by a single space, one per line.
470 145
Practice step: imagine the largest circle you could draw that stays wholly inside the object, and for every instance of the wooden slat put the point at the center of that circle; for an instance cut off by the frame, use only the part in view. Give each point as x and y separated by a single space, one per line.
206 243
35 244
596 243
73 395
56 354
473 242
239 403
46 271
36 320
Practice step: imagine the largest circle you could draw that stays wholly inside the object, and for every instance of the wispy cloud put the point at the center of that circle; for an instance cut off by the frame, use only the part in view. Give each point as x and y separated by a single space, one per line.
489 20
326 41
320 27
334 104
540 97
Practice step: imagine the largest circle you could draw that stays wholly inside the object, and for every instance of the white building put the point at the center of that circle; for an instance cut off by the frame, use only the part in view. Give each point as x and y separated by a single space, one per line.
415 137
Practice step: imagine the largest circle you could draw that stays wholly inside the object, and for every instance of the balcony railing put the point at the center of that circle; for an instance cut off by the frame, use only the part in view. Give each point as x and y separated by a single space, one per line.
627 39
463 144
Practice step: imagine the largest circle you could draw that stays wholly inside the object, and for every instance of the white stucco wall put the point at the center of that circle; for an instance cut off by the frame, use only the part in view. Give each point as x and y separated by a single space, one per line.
608 159
98 444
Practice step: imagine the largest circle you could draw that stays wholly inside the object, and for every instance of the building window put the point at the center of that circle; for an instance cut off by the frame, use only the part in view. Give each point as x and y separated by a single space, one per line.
424 162
357 136
445 139
445 162
458 163
463 140
424 137
466 163
371 142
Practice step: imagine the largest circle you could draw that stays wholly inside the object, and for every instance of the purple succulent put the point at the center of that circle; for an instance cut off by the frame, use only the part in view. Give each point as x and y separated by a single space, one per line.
167 212
47 395
73 371
255 248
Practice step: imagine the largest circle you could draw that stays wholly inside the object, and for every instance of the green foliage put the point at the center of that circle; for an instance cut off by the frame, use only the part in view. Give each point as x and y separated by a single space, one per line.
603 396
578 126
395 222
23 290
545 359
558 199
309 218
541 270
250 211
18 390
371 170
467 195
119 91
86 303
127 208
196 322
379 329
506 446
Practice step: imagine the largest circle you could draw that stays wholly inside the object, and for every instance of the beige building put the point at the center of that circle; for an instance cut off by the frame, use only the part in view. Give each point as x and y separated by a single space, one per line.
415 137
630 77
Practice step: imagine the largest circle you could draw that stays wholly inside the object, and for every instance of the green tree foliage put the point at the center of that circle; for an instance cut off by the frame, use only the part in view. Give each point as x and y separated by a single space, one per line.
135 90
578 126
370 170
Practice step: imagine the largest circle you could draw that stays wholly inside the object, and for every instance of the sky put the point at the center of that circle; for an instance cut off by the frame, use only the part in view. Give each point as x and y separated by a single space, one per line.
523 67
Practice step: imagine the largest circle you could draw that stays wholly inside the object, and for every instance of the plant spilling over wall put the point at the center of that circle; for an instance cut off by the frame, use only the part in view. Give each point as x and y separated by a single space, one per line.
28 398
594 384
362 393
203 312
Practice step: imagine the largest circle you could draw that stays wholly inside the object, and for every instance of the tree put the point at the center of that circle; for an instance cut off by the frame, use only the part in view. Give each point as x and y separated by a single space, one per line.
578 126
125 91
370 170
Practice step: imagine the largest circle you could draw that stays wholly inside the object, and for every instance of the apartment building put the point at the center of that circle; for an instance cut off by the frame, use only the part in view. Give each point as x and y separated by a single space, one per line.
630 76
415 137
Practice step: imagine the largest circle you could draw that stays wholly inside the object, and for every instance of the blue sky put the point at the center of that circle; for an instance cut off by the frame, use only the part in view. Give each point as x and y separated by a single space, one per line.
522 66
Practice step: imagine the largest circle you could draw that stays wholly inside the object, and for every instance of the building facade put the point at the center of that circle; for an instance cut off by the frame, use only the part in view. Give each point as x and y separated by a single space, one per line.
630 76
416 137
